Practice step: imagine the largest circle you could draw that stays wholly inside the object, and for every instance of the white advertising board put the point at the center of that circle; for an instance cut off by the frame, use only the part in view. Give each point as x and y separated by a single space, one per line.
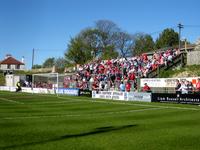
116 95
165 82
141 97
125 96
28 90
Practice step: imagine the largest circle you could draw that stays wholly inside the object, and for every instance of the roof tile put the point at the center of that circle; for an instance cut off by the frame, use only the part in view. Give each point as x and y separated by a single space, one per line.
11 61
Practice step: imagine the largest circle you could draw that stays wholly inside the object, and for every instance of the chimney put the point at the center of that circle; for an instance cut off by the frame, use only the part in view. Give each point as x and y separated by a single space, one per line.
22 59
8 55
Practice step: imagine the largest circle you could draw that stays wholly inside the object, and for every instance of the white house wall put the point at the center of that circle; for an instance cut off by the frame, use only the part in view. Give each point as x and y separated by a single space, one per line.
22 67
12 67
3 67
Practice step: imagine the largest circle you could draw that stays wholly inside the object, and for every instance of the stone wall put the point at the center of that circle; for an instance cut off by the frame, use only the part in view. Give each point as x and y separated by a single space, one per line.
193 58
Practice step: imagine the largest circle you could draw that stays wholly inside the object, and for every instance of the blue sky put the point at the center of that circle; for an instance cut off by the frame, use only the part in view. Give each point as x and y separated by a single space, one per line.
47 25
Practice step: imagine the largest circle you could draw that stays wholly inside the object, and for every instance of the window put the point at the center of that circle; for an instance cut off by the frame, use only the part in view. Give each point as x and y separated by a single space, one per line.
8 66
17 67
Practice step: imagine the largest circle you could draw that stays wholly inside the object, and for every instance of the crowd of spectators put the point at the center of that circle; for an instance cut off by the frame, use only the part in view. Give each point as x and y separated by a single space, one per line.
43 85
186 87
118 74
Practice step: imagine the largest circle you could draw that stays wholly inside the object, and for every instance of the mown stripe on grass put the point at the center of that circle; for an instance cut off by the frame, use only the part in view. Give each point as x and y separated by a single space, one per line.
79 115
10 100
125 103
53 102
147 105
79 99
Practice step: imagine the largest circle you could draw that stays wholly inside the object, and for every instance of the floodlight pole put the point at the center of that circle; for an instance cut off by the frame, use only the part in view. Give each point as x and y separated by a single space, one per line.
33 53
57 84
32 83
180 26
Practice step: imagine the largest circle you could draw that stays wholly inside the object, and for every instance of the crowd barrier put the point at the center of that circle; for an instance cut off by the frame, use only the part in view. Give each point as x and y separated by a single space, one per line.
116 95
61 91
7 88
28 90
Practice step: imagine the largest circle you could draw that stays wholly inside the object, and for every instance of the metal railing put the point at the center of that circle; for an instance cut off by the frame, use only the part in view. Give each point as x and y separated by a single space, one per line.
178 60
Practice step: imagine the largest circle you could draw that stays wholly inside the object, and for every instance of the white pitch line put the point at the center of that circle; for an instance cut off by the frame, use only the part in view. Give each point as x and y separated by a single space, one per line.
78 115
9 100
54 102
78 100
67 100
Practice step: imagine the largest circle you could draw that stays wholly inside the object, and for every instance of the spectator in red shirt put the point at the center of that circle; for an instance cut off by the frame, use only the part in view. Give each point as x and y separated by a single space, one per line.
128 86
95 86
108 62
101 69
146 88
132 76
145 56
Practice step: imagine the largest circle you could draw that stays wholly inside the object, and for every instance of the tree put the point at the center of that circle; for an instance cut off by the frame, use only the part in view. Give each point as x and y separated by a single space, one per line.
124 43
108 30
60 62
36 66
49 62
143 43
107 26
103 40
77 51
100 39
92 38
112 36
109 53
168 38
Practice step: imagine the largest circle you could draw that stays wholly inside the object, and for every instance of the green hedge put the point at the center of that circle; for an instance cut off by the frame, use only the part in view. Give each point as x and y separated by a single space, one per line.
2 79
195 69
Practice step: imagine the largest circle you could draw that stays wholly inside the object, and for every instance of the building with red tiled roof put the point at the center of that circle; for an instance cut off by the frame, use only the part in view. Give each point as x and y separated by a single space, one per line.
10 63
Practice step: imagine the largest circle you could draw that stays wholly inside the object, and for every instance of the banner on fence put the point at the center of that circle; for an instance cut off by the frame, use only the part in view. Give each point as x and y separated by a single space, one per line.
143 97
68 91
87 93
8 88
176 98
116 95
102 94
126 96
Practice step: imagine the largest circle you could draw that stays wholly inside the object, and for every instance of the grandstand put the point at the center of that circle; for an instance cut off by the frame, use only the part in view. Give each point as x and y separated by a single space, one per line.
112 71
99 75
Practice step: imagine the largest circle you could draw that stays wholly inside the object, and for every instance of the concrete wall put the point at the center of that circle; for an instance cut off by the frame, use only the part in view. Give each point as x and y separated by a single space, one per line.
193 58
11 80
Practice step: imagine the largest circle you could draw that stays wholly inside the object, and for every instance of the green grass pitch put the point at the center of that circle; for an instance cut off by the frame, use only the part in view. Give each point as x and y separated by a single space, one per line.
47 122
